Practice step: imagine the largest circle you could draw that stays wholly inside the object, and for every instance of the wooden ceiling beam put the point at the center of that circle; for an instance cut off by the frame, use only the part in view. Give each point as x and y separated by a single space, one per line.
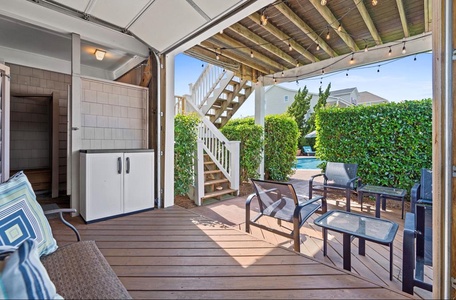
255 17
232 43
400 8
427 15
262 43
231 55
295 19
368 21
326 13
208 56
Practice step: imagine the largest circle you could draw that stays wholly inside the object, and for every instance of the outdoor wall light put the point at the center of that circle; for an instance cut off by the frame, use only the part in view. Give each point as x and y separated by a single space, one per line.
100 54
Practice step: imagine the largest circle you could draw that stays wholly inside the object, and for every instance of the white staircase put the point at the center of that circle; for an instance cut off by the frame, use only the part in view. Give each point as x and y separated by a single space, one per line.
215 97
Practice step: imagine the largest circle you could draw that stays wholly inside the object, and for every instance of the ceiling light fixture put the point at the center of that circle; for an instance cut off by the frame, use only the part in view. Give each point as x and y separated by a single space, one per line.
100 54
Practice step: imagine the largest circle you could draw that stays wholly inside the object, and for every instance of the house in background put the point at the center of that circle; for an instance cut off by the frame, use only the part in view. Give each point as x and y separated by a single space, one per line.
279 98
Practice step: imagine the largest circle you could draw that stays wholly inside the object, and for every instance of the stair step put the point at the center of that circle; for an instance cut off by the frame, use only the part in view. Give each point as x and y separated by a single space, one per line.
210 162
216 181
208 172
218 193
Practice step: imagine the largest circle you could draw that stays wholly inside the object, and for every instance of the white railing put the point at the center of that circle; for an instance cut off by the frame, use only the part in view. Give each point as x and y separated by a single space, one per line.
223 152
179 105
206 84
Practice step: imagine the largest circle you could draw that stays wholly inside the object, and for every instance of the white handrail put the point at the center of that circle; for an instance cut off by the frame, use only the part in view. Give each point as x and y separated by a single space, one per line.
206 84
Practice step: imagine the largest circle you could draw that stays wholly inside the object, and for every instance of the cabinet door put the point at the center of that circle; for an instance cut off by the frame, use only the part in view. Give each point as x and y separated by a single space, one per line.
138 181
104 185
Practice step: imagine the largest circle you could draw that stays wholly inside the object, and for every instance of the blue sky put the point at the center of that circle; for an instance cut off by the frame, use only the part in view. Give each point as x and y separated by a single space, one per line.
401 79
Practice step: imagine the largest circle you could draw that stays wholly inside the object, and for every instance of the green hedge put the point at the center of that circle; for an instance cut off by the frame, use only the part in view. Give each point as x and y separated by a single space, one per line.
389 142
185 137
251 137
281 141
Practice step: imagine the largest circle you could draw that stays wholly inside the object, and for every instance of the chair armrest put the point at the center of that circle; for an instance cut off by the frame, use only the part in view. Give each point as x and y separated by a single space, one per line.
408 254
60 211
414 195
247 211
324 206
352 181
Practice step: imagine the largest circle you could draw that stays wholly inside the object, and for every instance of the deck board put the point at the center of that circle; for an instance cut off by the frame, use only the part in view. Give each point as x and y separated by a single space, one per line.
176 253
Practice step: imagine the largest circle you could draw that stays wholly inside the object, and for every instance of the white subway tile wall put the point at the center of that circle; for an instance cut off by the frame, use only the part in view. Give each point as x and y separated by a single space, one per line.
114 116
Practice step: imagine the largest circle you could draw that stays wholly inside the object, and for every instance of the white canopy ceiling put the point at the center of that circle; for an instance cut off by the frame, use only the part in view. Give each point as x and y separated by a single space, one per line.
39 31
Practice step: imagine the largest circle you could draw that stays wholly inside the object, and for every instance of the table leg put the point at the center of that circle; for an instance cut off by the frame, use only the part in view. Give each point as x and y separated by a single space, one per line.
347 252
403 208
391 261
377 205
360 199
362 247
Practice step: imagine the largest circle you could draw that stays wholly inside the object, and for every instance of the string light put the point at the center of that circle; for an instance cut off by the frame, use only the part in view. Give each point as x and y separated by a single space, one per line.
318 47
297 64
390 51
275 80
328 36
251 53
366 49
352 59
217 56
321 80
289 47
378 70
339 28
346 73
221 31
414 58
322 71
403 49
297 82
374 2
323 2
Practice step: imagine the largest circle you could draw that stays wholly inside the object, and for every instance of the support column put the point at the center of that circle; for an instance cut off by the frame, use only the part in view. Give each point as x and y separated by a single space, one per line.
74 132
167 127
260 105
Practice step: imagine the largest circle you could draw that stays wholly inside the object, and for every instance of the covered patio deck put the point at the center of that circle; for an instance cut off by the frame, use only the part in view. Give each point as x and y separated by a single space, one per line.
177 253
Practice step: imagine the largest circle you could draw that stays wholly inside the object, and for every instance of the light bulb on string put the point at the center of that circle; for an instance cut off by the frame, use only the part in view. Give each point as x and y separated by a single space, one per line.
322 71
318 47
346 73
366 49
414 59
251 53
221 31
283 74
390 51
374 2
321 80
264 19
275 80
378 70
297 64
289 47
403 49
328 36
217 56
352 59
339 28
323 2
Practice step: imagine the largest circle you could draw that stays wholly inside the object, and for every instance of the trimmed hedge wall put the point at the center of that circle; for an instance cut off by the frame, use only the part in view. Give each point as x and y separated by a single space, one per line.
251 137
389 142
281 135
185 137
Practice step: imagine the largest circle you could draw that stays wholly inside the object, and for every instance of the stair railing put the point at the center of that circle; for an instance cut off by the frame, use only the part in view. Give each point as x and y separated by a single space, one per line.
223 152
205 84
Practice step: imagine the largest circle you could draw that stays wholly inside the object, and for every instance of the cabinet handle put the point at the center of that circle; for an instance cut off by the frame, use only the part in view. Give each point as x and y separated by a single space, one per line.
128 166
119 165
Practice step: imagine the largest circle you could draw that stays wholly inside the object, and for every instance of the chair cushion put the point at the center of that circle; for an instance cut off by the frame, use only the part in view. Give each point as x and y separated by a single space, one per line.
21 217
24 276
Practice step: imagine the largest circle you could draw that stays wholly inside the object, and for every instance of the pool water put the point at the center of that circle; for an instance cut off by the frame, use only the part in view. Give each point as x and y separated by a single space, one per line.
307 163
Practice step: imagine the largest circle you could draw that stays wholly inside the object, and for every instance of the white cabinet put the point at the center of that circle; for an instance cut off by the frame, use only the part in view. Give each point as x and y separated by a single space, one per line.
115 183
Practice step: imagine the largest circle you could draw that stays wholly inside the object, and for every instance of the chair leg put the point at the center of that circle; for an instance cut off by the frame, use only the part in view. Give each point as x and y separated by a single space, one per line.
348 200
296 236
325 241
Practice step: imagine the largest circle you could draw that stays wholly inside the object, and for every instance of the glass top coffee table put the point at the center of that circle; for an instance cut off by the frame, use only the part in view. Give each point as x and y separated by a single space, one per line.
381 193
365 228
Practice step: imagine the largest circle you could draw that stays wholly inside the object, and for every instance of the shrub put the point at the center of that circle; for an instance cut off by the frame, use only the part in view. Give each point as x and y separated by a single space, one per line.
251 137
185 137
280 143
389 142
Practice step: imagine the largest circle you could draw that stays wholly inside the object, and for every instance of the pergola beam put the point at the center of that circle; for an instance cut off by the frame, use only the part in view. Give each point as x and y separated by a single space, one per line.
427 15
401 10
295 19
283 37
368 21
232 43
326 13
262 43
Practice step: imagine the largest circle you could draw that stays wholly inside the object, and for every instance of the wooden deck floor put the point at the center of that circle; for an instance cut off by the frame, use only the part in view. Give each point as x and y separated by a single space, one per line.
176 253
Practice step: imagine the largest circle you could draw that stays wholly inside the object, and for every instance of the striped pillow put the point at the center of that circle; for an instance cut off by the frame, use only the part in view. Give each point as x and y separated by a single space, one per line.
21 217
24 276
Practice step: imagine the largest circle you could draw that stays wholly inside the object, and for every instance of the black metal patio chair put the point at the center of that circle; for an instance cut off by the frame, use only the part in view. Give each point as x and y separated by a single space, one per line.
417 239
337 176
278 200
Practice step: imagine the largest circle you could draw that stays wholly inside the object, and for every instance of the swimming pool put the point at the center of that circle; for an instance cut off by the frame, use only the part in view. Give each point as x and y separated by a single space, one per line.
307 163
